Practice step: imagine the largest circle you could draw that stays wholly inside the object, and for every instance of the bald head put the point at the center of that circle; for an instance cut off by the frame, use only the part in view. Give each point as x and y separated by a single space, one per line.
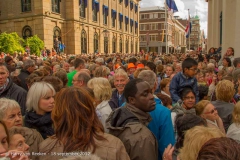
81 79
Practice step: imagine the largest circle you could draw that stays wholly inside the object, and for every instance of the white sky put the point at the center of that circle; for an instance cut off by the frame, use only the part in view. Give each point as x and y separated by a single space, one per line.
199 7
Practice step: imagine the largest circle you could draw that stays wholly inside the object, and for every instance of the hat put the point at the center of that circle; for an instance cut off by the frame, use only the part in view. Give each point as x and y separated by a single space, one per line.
140 65
131 65
117 66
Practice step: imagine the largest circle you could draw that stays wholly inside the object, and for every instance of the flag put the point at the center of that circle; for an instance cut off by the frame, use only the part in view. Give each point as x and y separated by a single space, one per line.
188 27
172 5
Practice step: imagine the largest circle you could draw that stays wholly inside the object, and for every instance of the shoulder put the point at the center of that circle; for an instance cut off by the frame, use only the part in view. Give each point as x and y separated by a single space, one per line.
51 144
17 89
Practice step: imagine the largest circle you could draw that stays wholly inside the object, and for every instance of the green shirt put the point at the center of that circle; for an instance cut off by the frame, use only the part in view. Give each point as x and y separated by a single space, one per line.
70 77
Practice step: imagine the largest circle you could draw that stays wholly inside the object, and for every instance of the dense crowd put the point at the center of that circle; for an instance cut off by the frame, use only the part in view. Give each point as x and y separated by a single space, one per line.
144 106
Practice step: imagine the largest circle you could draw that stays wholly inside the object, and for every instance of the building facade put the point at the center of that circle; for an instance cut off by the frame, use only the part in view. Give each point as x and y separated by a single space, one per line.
195 36
84 26
223 25
152 31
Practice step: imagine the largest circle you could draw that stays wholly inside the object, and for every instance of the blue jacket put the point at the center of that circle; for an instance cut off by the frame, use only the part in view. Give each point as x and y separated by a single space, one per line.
180 81
161 126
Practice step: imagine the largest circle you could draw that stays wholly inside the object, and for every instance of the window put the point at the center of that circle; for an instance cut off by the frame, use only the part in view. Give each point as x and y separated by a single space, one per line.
153 37
131 46
56 6
82 8
120 1
26 32
126 46
131 25
26 5
126 23
105 14
143 27
136 27
83 41
120 45
144 16
95 42
136 46
153 26
143 38
151 16
95 9
114 14
162 15
105 44
155 15
114 45
126 3
120 20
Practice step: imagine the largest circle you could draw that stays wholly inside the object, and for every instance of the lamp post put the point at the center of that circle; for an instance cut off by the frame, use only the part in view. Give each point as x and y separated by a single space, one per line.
106 35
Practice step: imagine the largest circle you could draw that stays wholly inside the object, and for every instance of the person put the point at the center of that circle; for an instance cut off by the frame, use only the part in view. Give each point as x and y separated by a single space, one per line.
206 110
120 79
66 66
203 92
161 124
10 90
129 123
40 102
184 79
224 94
81 131
102 92
234 129
78 65
169 71
80 79
164 86
131 68
28 68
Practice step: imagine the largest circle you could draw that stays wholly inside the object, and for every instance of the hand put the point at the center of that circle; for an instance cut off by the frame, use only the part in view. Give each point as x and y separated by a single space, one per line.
15 155
167 154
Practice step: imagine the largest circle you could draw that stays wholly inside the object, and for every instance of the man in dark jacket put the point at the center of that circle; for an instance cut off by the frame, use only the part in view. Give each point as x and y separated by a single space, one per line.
10 90
28 68
129 123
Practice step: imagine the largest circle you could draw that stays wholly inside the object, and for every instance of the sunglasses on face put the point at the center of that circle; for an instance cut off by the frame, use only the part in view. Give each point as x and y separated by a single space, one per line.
212 111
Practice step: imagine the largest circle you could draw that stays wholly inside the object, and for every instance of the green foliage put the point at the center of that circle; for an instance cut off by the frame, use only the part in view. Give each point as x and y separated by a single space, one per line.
35 44
11 42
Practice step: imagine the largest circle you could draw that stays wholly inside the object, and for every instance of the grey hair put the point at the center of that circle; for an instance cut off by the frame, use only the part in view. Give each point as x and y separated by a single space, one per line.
148 76
7 104
84 76
28 63
120 72
37 91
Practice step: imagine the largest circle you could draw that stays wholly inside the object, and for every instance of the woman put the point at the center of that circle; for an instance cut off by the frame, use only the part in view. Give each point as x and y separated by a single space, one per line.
102 92
164 86
40 102
78 128
206 110
169 71
226 64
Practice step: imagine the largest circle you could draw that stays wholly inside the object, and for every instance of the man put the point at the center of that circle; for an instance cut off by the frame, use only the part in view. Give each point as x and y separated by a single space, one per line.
81 79
78 64
28 68
129 123
10 90
66 66
120 79
161 124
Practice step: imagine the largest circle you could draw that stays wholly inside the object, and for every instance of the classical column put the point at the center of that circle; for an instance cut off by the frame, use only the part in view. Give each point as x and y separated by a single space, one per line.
237 31
210 23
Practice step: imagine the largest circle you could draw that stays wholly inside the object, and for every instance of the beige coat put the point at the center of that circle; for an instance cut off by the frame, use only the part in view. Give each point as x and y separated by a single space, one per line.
110 149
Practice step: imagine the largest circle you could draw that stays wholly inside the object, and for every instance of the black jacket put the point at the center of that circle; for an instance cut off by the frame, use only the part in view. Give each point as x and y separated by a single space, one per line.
13 91
22 76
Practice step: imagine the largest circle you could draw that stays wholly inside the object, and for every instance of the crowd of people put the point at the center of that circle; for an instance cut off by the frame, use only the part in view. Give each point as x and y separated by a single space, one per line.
120 106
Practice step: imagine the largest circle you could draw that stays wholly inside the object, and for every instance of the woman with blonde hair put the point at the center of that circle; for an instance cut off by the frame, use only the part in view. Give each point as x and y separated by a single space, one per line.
206 110
78 129
102 93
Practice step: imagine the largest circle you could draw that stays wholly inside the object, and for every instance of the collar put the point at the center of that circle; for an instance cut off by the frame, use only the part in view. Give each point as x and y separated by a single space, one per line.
184 76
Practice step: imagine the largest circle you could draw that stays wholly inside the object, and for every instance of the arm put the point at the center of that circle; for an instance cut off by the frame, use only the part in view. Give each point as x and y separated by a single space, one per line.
173 88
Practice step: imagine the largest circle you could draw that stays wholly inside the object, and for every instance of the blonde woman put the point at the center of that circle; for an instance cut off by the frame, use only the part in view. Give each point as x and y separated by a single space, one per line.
207 111
102 93
234 129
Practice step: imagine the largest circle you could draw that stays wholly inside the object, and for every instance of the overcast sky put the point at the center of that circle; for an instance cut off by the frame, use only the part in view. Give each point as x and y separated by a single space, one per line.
198 7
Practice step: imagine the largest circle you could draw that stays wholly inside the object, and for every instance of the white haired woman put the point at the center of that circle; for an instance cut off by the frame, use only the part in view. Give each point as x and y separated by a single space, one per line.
40 103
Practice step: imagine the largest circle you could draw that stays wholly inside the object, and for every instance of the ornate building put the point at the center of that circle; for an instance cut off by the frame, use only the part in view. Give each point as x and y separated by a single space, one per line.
84 26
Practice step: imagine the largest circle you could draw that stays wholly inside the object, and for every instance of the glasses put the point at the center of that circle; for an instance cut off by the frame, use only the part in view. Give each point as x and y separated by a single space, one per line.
188 98
211 112
193 69
75 80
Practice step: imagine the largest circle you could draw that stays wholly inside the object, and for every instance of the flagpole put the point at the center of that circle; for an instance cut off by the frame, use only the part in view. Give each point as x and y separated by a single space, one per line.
167 51
189 31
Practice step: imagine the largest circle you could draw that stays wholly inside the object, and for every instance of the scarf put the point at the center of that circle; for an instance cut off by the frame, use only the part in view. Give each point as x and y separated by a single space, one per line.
2 88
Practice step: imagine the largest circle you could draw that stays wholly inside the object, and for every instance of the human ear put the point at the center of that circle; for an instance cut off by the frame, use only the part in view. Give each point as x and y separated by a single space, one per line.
131 100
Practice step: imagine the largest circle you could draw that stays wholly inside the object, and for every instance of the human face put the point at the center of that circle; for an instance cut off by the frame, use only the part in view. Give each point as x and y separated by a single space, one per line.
225 63
229 52
13 117
131 70
77 82
3 138
46 103
66 67
178 68
219 76
191 72
199 65
210 113
17 142
189 100
3 75
166 89
169 71
200 78
120 82
143 99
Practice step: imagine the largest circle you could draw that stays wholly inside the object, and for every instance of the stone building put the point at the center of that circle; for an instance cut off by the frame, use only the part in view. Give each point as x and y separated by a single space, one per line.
84 26
152 31
223 25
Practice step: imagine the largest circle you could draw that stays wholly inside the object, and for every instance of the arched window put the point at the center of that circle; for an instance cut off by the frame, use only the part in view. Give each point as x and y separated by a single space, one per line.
84 41
126 46
56 34
105 44
95 42
114 44
26 32
120 45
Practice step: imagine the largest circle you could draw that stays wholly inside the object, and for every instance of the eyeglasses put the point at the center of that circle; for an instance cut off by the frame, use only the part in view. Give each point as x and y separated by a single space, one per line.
211 112
75 80
193 69
188 98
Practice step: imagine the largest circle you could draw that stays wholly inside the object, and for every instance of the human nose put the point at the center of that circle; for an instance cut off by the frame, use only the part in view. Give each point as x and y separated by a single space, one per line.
26 147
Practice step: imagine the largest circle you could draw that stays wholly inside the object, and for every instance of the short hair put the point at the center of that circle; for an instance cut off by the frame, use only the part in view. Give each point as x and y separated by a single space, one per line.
236 113
4 66
101 88
229 61
236 61
84 76
148 76
120 72
194 140
137 71
102 71
185 91
28 63
132 60
222 148
7 104
152 66
130 89
203 91
164 83
77 62
171 66
225 90
184 122
200 106
54 81
166 100
37 91
62 74
188 63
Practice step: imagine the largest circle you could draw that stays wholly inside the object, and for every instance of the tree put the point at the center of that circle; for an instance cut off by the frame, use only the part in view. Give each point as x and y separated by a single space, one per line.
35 44
11 42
